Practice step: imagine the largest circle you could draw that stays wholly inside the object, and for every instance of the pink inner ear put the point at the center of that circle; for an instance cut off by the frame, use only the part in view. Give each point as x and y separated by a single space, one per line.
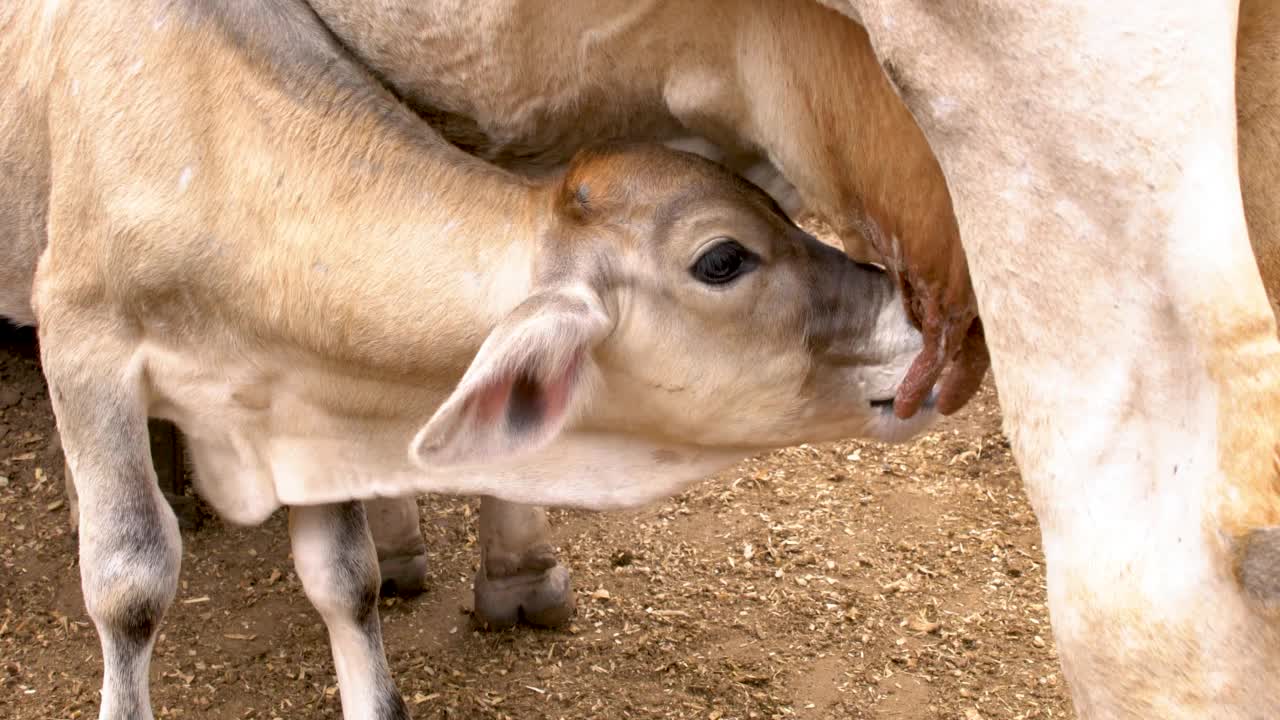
491 401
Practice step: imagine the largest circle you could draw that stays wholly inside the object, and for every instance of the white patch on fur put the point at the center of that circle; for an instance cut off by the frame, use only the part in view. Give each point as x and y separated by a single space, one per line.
893 330
184 178
763 173
942 107
50 10
690 92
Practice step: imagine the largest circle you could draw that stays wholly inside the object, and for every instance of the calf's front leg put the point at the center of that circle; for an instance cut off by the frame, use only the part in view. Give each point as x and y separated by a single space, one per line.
338 566
130 550
166 461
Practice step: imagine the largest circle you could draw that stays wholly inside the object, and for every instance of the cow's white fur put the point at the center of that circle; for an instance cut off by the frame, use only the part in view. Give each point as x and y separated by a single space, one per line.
1131 341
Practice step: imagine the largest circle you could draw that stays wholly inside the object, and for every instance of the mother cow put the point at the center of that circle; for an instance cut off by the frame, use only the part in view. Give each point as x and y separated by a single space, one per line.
1090 149
1091 152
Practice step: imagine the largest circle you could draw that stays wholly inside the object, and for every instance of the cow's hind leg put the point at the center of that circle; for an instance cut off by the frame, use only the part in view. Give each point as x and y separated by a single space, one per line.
130 551
338 567
519 577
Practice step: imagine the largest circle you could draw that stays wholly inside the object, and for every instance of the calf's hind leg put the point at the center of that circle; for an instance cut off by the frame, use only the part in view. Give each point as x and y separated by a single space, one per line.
397 537
130 550
519 577
338 567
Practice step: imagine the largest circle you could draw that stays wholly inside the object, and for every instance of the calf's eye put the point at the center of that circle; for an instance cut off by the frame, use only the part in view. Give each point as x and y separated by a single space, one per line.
724 262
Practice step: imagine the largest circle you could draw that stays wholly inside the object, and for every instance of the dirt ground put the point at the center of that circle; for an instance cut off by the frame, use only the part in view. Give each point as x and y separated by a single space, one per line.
848 580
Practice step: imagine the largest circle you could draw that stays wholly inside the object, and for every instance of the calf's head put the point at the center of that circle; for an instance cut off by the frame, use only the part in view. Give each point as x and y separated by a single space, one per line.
674 301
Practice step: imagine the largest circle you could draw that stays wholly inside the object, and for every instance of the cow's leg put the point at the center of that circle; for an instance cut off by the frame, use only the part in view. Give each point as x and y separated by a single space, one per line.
130 550
1089 147
336 562
519 577
397 536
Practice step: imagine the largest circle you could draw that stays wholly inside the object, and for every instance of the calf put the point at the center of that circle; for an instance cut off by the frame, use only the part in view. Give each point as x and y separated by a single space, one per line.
224 222
530 132
787 93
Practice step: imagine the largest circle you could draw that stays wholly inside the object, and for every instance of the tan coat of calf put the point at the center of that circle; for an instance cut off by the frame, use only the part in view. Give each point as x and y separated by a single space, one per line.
239 231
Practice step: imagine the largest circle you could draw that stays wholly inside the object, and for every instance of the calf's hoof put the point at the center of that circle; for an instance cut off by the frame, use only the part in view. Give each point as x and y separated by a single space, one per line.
403 575
543 599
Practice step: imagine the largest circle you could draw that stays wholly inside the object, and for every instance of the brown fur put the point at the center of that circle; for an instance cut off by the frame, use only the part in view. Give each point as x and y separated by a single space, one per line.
1258 120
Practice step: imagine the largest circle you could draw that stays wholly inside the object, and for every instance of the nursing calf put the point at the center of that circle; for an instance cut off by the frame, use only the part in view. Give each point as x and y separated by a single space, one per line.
217 218
790 94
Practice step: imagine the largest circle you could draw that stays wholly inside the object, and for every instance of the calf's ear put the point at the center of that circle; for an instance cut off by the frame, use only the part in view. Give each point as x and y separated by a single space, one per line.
531 376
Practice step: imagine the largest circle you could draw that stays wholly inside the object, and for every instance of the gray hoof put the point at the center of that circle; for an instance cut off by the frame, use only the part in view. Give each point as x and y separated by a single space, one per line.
543 600
403 576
